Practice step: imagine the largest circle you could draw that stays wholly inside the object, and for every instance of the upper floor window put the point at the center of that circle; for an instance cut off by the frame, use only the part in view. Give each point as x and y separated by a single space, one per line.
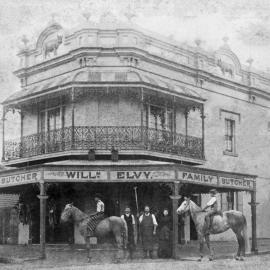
158 117
230 136
231 121
51 119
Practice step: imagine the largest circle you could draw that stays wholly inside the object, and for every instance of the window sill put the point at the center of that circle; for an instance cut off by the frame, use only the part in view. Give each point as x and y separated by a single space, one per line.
232 154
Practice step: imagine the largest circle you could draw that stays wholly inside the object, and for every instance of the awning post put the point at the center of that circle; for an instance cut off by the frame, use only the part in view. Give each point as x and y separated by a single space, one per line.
42 197
175 197
253 206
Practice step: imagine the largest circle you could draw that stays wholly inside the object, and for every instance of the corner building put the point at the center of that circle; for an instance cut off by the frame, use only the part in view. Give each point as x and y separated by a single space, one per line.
114 109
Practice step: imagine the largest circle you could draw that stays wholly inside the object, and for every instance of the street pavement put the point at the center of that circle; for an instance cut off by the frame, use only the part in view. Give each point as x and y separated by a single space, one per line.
250 263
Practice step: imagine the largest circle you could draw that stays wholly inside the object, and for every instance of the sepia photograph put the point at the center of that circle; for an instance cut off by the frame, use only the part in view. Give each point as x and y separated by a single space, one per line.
135 134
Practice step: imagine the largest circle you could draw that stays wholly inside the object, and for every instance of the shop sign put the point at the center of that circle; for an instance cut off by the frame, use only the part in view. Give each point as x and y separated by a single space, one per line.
242 183
142 175
197 178
75 176
20 179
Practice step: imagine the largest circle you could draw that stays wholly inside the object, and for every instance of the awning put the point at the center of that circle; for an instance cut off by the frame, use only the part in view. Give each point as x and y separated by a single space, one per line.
99 78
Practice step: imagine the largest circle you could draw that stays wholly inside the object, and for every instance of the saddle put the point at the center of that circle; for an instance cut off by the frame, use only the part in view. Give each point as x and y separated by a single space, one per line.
93 221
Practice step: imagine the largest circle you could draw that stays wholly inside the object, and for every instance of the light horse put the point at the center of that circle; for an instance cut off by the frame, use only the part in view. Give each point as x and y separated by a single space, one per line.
232 219
115 225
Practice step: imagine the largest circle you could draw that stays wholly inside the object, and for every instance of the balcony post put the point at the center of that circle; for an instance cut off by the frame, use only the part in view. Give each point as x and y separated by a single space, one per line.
173 122
3 132
202 117
21 146
142 130
186 125
72 119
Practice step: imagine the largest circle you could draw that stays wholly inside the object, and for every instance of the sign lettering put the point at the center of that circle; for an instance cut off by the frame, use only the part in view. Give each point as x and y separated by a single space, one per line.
197 178
244 183
142 175
74 176
20 179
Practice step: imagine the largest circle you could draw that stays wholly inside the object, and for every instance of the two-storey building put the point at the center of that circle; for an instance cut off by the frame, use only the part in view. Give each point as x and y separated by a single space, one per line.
114 109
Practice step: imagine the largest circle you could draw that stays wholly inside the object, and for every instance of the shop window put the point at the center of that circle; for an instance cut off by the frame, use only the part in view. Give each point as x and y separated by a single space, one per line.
230 137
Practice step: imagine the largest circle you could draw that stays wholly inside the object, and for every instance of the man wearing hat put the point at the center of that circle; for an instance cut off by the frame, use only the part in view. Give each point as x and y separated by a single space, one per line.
130 220
97 216
100 204
214 209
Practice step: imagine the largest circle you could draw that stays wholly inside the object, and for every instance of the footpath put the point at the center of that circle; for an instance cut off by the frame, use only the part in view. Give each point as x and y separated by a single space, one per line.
64 255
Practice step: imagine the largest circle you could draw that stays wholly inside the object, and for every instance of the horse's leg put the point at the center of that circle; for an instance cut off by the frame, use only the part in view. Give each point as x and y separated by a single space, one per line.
241 246
207 239
241 243
118 240
88 247
201 247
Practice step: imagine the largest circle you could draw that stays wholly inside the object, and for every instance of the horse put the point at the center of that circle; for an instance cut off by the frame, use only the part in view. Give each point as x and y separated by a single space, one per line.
115 225
231 219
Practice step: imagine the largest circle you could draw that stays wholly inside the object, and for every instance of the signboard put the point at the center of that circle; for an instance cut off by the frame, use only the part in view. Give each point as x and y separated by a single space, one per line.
76 175
142 175
198 178
20 179
241 183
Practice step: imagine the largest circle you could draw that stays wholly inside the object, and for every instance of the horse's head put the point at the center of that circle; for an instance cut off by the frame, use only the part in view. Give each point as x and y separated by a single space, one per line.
184 207
67 214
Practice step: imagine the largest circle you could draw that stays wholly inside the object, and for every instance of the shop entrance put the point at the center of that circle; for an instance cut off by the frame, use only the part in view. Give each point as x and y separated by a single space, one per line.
116 196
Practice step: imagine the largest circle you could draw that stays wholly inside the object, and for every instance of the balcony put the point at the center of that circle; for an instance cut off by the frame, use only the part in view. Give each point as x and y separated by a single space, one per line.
125 139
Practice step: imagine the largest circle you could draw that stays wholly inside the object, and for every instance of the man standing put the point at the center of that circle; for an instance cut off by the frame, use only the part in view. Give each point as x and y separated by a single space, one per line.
148 225
130 220
214 209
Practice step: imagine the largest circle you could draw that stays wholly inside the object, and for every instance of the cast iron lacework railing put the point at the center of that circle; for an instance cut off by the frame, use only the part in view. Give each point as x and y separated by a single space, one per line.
104 138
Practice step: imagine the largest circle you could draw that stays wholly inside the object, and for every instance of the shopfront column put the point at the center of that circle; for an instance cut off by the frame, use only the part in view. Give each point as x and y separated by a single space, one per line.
253 206
175 198
42 197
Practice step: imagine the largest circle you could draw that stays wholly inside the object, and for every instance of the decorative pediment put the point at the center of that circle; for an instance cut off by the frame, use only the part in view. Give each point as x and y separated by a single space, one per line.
50 39
227 61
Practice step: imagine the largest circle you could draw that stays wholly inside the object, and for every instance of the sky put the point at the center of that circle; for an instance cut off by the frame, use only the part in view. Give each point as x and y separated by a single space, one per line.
245 22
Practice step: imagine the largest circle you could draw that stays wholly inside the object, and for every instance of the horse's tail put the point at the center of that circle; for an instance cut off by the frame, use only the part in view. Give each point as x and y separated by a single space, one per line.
124 233
245 235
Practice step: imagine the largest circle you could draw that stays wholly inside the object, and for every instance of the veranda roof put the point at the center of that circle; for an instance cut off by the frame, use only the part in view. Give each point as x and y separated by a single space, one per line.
101 78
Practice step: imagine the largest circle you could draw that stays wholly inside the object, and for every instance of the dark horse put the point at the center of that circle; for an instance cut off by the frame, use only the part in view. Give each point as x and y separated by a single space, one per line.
113 224
232 219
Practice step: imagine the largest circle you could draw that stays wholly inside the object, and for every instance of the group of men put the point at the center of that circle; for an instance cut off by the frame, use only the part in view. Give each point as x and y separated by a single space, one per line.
148 223
148 226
